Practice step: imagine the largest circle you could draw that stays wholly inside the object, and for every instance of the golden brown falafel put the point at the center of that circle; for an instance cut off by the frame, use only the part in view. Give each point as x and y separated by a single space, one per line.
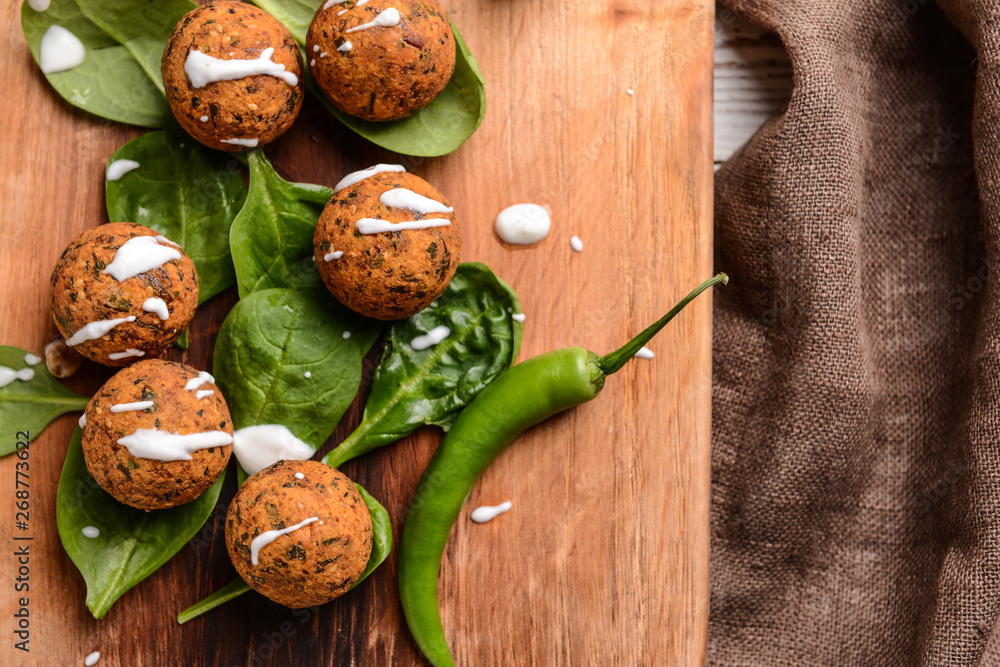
309 565
152 394
386 71
233 114
386 275
84 291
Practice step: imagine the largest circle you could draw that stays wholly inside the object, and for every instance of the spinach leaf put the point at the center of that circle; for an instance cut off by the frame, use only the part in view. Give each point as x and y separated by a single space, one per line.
188 193
431 386
381 546
119 78
132 544
272 237
437 129
31 405
267 344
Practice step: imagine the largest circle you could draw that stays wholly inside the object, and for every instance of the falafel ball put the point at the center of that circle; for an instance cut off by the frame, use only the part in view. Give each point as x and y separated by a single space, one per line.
143 409
299 533
233 75
383 59
387 275
121 291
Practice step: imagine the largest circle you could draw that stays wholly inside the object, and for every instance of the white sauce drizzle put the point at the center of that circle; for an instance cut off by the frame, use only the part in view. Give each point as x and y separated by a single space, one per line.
269 536
83 420
375 226
523 224
517 317
299 475
387 18
91 531
326 6
432 337
312 63
138 255
96 330
119 168
324 54
152 443
39 5
403 198
92 659
576 244
489 512
346 46
202 69
116 356
201 379
60 50
163 239
31 359
156 305
358 176
203 393
336 254
8 375
644 353
249 143
257 447
131 407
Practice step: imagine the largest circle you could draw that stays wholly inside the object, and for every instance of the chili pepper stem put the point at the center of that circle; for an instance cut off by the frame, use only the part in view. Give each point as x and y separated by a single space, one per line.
614 361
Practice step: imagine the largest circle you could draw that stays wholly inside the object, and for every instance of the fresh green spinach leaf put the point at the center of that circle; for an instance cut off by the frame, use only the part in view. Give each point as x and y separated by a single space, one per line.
29 406
188 193
431 386
272 237
119 77
268 343
381 546
132 543
437 129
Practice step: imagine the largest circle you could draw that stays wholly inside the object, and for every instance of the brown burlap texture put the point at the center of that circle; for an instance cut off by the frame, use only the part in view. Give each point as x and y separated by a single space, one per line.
856 446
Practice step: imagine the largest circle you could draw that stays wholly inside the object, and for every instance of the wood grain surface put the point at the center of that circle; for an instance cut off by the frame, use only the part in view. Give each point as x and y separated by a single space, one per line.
604 557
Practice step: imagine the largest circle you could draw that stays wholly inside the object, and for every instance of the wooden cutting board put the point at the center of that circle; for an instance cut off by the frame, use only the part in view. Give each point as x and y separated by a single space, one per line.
604 557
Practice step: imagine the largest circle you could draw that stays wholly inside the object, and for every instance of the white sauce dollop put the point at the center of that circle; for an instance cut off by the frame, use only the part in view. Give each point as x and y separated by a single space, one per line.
119 168
257 447
327 5
201 379
131 407
432 337
39 5
203 393
387 18
152 443
299 475
376 226
138 255
358 176
346 335
60 50
307 374
115 356
203 119
644 353
249 143
202 69
346 46
517 317
269 536
31 359
156 305
92 659
83 420
330 256
96 330
403 198
8 375
523 224
576 244
91 532
489 512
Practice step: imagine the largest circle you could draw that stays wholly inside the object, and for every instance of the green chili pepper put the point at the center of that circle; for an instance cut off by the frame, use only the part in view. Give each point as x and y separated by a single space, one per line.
519 398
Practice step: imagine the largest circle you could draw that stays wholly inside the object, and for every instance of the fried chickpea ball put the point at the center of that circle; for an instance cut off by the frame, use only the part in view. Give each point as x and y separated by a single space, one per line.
121 292
383 59
144 408
250 98
386 275
299 533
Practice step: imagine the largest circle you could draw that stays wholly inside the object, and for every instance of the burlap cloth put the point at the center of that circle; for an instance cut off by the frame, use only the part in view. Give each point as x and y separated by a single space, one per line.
856 446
